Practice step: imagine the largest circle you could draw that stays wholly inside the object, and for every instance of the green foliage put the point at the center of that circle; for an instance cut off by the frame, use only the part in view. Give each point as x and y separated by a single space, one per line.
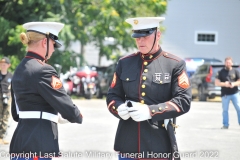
85 21
64 58
15 13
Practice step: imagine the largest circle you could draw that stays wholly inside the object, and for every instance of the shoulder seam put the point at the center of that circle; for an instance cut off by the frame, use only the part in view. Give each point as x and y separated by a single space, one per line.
131 55
40 62
171 56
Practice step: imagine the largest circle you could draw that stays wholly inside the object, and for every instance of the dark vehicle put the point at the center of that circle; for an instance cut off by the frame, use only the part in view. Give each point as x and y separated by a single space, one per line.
193 62
202 81
105 79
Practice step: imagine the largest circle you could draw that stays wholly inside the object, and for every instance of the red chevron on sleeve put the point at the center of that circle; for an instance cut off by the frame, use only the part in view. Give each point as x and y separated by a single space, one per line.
183 80
56 83
114 81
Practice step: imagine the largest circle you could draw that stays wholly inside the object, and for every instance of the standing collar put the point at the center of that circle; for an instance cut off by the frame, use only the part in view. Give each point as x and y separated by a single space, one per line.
31 54
151 56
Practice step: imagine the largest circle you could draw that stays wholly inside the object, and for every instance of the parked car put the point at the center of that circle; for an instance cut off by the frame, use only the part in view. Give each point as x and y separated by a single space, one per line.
193 62
105 79
202 81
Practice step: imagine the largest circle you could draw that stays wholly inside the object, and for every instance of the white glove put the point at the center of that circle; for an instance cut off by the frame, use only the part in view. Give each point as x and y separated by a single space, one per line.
61 120
139 112
166 121
123 111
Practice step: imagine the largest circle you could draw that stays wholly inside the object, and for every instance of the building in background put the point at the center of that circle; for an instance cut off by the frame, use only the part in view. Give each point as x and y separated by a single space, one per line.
194 28
203 28
91 54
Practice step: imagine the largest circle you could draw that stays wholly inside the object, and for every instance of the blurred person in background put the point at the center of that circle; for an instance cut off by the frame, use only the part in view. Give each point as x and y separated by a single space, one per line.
228 78
5 96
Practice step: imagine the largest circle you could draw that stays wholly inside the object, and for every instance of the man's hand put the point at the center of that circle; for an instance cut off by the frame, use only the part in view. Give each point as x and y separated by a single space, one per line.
227 84
123 111
235 84
139 112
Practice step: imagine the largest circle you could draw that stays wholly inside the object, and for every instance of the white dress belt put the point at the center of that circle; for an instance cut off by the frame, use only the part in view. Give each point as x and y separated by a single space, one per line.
37 115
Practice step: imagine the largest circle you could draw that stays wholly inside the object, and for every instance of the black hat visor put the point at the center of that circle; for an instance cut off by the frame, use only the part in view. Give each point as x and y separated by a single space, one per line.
52 36
55 39
143 32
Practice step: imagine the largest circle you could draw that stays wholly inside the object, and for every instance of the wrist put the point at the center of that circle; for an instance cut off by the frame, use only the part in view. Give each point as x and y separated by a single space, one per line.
236 83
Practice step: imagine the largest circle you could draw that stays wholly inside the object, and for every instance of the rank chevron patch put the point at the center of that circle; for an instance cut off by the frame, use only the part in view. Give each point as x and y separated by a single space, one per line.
56 83
183 80
114 81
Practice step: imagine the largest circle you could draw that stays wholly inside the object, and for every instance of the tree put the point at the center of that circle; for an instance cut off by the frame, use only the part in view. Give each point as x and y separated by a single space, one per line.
17 12
98 20
85 20
112 24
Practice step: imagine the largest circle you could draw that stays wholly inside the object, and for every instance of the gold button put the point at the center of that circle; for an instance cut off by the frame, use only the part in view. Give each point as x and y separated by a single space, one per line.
160 108
163 125
150 56
166 107
143 93
153 111
144 77
145 70
127 79
145 63
160 82
143 86
113 107
142 101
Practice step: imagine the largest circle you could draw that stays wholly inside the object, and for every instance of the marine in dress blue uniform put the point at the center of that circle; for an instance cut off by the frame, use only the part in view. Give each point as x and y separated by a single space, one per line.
39 101
148 91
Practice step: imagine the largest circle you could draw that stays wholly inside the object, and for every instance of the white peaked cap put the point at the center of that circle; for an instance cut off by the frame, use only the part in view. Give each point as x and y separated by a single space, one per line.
44 27
140 23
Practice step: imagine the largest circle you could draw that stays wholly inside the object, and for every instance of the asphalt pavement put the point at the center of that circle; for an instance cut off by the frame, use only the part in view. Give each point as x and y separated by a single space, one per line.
199 135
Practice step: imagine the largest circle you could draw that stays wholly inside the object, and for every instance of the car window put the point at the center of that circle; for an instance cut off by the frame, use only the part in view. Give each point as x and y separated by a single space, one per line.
197 71
193 63
110 70
238 69
203 69
215 70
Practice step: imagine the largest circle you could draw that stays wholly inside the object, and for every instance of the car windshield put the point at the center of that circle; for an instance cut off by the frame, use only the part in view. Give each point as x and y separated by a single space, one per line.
215 69
193 63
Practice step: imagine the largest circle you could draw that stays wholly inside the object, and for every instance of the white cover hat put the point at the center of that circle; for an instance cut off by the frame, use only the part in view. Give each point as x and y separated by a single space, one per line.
144 26
44 27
